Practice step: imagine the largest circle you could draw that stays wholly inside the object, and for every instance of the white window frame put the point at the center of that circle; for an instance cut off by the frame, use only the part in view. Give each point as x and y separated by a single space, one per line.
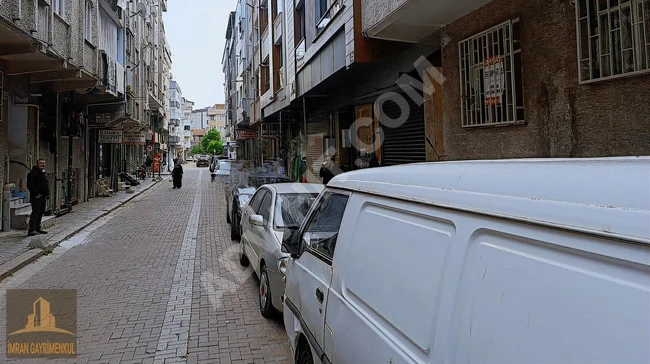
59 7
597 58
501 106
88 20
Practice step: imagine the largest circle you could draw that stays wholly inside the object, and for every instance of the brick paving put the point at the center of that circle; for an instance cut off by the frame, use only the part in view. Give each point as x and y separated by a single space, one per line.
158 282
15 242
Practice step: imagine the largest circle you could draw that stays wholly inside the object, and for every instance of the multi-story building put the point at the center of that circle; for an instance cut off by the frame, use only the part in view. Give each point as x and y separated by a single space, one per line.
217 119
187 125
73 92
176 116
200 118
413 81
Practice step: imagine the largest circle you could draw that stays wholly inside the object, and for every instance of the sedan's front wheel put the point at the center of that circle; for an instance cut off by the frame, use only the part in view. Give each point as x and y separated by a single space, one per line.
266 308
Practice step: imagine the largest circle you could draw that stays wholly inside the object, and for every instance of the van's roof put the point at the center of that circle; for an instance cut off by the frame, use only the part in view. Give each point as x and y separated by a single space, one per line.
609 196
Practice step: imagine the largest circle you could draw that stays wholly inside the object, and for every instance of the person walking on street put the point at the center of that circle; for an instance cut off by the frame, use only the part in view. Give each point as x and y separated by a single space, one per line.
328 170
148 162
177 174
39 190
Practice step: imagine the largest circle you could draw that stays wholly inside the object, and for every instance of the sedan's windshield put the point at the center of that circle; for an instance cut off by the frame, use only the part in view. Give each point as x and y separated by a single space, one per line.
291 208
224 166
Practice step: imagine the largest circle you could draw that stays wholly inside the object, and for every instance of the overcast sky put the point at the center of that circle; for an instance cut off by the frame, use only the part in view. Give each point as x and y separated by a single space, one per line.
196 32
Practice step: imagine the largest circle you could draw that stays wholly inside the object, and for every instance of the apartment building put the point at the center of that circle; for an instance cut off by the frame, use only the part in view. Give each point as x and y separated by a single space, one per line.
412 81
74 80
176 116
187 125
217 119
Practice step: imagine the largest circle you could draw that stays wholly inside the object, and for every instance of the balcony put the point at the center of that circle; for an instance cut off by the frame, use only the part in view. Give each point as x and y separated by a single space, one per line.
174 140
411 21
300 55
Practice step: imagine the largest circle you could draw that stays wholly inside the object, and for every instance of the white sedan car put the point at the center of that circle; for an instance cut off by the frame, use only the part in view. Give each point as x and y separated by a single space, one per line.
273 209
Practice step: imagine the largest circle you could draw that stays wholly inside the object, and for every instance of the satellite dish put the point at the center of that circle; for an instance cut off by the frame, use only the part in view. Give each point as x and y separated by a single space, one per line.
142 10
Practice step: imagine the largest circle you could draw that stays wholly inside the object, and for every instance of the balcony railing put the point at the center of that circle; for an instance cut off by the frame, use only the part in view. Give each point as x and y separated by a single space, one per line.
300 54
327 17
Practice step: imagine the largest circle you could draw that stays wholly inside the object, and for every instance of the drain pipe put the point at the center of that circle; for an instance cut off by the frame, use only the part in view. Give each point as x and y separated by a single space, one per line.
6 206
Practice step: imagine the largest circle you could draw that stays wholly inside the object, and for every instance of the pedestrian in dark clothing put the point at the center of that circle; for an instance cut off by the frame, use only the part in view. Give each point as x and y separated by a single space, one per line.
148 163
39 190
328 170
177 174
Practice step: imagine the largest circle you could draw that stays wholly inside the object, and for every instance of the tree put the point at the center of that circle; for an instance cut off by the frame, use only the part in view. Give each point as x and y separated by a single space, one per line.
211 143
196 149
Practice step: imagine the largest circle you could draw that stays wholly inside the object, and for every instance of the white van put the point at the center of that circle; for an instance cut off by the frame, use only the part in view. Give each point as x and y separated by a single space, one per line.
491 262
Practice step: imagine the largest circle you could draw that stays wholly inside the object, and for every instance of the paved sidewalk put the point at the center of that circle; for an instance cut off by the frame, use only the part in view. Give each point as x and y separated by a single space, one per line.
15 252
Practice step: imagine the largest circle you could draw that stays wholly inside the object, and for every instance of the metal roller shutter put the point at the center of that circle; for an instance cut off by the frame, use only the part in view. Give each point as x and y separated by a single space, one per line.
315 133
406 143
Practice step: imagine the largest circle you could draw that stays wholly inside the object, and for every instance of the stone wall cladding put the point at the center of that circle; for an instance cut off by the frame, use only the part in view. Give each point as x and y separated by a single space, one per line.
564 119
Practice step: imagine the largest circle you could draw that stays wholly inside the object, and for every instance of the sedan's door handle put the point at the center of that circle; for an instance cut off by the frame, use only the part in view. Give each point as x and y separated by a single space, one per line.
319 295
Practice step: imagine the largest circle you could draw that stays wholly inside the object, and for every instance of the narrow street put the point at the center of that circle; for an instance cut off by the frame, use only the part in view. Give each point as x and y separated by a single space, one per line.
158 281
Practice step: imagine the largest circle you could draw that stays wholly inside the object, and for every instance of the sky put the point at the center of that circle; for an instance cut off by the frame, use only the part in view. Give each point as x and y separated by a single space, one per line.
196 33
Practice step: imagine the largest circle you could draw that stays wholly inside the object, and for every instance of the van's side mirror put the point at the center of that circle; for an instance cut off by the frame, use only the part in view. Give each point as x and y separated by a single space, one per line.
291 242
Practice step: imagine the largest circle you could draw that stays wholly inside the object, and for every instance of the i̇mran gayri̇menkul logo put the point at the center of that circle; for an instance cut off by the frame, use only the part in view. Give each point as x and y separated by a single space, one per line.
41 323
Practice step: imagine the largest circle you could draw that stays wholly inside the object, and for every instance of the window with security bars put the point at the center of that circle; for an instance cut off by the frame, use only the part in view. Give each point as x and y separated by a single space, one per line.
613 38
491 77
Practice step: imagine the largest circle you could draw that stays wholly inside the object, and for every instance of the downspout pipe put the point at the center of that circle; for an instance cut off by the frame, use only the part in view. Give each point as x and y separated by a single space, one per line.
6 206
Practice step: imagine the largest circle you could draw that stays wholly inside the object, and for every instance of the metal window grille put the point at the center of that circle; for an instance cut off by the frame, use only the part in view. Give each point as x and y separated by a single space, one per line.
490 77
613 38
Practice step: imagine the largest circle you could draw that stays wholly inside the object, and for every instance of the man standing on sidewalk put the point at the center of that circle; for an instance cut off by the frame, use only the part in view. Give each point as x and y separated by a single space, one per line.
39 190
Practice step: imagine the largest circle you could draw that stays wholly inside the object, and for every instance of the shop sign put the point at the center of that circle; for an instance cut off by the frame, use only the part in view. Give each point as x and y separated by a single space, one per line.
246 134
102 118
494 80
134 139
110 137
269 132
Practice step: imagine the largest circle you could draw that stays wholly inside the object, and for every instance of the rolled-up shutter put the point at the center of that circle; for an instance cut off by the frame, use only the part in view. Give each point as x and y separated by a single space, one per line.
315 133
406 143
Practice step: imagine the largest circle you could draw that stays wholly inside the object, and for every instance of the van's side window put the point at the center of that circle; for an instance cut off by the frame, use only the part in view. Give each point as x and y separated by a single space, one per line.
323 228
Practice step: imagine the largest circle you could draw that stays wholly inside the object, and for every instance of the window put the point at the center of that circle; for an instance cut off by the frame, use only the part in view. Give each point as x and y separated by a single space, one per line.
257 199
265 208
291 208
299 24
491 87
613 38
59 7
88 26
321 233
321 8
264 16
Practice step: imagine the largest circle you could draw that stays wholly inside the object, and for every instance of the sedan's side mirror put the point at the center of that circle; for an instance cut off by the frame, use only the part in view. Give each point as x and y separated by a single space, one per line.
291 242
256 220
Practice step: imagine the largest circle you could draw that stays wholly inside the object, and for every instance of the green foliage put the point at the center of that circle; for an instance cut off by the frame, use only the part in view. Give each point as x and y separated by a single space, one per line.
196 149
211 143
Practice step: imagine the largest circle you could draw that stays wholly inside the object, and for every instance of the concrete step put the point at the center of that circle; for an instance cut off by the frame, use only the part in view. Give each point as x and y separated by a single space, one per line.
21 221
15 201
24 207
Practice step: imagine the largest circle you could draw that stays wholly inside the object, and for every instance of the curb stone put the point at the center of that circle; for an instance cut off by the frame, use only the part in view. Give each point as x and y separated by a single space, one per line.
9 268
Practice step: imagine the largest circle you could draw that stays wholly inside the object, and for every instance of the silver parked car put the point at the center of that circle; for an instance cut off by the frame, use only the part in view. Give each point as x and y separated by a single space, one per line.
273 209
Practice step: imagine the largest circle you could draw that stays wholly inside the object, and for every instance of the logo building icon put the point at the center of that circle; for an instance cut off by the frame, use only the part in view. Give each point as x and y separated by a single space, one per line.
42 320
41 323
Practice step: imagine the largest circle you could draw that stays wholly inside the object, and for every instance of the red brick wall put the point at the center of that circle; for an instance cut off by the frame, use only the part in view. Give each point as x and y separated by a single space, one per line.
564 119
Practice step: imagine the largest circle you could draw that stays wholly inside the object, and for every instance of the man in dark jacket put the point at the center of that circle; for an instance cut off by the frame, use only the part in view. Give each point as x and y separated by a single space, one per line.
39 190
328 170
